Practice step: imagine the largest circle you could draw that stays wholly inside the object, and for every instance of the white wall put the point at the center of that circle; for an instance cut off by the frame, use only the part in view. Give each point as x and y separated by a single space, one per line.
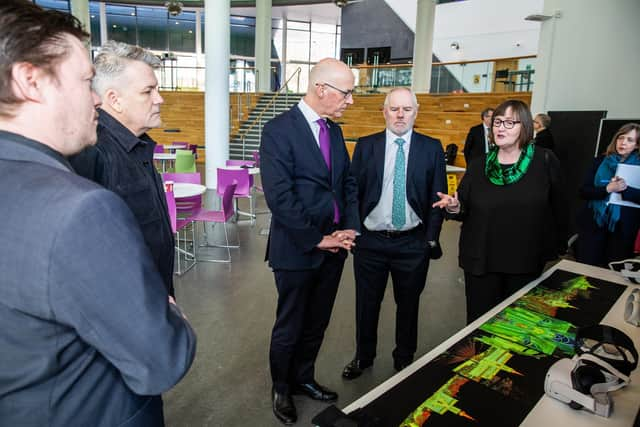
483 28
589 58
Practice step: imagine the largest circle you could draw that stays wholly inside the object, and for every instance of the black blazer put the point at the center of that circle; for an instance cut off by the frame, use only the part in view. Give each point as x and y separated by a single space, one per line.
544 138
300 190
425 177
474 145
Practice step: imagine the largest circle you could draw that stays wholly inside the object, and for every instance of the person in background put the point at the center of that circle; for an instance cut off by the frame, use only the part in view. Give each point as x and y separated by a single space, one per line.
477 142
399 172
511 204
122 160
544 138
89 335
313 201
607 231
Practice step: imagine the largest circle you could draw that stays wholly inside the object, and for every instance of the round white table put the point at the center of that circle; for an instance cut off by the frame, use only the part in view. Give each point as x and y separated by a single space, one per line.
172 148
252 171
163 158
185 189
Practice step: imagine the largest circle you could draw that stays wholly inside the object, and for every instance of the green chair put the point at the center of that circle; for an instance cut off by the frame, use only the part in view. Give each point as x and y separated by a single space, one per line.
185 162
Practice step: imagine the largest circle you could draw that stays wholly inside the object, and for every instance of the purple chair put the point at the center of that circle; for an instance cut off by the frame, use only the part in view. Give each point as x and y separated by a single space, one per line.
256 158
242 163
178 225
186 205
247 163
219 217
159 148
194 150
243 190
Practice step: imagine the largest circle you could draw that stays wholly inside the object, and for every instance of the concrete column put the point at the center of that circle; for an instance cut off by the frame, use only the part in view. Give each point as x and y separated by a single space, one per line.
263 45
80 9
423 46
217 16
103 24
198 32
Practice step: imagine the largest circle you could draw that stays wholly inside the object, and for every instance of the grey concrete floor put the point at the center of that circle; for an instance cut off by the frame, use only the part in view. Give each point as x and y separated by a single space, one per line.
232 309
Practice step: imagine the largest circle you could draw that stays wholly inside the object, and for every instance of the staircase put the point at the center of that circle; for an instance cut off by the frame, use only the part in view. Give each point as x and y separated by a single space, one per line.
251 129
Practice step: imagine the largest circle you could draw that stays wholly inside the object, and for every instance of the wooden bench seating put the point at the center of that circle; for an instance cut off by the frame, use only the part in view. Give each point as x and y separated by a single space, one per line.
446 117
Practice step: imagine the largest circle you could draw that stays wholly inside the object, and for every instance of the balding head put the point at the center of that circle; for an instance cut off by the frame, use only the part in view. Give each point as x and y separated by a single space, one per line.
330 85
327 70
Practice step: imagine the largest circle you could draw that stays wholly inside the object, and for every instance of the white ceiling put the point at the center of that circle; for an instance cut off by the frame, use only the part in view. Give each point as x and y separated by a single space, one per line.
326 13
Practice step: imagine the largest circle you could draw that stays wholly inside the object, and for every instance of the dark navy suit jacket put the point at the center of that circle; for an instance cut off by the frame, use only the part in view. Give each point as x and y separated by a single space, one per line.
88 337
425 176
300 190
474 145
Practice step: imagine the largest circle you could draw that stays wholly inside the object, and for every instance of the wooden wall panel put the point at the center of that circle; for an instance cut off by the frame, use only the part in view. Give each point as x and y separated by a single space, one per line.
445 117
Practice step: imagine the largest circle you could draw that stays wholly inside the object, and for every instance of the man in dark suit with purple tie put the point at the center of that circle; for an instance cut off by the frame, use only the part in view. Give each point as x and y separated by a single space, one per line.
312 198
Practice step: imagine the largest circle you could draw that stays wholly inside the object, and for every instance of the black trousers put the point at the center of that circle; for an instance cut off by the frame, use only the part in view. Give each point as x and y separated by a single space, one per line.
598 246
406 259
305 302
485 291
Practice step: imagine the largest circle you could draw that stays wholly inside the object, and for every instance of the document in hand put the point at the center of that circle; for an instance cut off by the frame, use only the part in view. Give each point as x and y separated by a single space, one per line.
631 174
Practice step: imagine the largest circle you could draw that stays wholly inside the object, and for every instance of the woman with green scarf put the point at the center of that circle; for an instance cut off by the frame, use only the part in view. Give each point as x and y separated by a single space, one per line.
606 231
512 207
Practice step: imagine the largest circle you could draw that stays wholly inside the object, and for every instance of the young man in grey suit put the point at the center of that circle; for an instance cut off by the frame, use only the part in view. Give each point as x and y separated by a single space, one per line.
312 198
90 336
399 172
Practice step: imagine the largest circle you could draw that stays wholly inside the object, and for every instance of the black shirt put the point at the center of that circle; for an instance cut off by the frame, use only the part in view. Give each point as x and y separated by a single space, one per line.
123 163
512 228
544 138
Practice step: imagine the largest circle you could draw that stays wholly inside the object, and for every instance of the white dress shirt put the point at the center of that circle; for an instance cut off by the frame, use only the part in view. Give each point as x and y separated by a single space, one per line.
486 138
311 117
380 217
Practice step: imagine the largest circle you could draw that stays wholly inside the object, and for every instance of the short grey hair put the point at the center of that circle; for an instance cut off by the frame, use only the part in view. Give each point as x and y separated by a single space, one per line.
112 60
545 120
397 89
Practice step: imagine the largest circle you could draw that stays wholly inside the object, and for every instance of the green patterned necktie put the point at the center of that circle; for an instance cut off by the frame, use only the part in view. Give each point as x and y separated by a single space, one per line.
399 185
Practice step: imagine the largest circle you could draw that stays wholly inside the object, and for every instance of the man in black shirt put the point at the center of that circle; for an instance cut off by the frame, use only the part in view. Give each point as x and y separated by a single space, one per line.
122 160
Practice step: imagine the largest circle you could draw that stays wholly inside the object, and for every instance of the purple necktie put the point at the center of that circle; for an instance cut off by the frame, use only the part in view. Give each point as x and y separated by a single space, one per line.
325 149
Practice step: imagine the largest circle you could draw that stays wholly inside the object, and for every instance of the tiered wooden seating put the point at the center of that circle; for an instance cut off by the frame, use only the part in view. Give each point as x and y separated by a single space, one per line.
445 117
185 111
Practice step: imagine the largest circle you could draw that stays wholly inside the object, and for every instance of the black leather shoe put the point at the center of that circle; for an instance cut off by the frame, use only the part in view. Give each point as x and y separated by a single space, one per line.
283 407
355 368
399 365
316 392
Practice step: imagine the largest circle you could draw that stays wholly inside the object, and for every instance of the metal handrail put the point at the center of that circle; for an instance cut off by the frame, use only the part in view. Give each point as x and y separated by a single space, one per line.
266 107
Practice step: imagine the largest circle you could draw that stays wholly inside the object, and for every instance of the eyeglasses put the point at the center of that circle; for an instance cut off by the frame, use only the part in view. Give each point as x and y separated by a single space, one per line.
345 93
508 124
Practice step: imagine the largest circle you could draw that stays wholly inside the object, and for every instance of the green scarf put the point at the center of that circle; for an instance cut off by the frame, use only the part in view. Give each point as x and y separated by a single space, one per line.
503 176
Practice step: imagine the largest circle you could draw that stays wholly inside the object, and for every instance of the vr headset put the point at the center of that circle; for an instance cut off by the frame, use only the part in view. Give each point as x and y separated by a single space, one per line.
632 308
605 356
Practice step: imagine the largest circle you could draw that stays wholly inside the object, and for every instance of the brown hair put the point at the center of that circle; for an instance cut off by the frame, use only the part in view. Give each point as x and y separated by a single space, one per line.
33 35
522 113
611 148
486 112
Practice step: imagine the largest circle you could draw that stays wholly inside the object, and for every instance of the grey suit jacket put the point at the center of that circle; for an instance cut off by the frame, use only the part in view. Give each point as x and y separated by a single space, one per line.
88 337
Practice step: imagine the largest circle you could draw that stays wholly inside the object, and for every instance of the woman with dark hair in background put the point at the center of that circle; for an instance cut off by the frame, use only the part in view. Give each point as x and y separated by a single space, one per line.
607 231
511 205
